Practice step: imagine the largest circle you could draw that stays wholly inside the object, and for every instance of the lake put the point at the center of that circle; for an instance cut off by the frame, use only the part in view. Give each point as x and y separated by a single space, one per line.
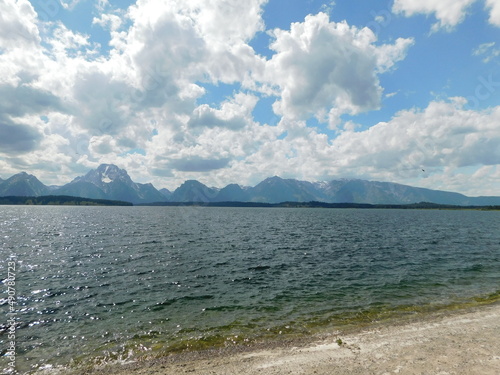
98 284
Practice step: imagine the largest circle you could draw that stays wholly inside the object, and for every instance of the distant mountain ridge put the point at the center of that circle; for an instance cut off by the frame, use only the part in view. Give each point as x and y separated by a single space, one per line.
110 182
23 184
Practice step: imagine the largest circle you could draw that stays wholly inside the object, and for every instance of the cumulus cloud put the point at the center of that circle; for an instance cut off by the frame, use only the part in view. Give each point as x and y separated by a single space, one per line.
111 21
222 21
327 69
197 40
65 42
17 138
144 94
99 102
449 13
233 114
18 101
142 106
18 24
494 7
103 145
429 147
443 135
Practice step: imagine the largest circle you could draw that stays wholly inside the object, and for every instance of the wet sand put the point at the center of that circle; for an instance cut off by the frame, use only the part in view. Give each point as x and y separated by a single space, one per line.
453 343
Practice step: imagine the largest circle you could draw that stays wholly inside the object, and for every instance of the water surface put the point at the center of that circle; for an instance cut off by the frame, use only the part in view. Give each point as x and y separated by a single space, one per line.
104 283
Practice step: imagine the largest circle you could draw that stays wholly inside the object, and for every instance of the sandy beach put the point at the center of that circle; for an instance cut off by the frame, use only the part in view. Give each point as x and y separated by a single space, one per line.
452 343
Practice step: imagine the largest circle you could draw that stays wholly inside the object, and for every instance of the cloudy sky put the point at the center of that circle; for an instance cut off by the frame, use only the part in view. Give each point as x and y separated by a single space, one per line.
227 91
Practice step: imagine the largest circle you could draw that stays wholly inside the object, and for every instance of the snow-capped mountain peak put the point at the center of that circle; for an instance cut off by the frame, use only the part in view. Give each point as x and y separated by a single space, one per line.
110 182
105 178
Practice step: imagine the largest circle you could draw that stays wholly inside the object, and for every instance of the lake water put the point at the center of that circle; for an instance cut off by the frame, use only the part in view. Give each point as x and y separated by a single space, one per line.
97 284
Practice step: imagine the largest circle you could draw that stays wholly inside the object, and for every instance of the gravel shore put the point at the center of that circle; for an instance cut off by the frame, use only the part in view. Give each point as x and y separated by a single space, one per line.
444 344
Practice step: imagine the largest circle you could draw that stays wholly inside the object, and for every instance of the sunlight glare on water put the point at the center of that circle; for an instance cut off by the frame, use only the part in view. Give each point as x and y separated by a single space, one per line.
108 283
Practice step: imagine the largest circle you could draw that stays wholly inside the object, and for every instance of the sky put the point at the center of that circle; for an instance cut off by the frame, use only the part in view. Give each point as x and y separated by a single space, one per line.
226 91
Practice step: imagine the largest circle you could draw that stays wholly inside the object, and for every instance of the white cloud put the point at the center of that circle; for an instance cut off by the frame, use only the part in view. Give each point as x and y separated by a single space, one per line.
327 69
467 180
69 4
222 22
150 84
111 21
483 48
449 13
487 50
328 7
141 106
197 40
103 145
233 114
206 149
433 147
388 54
494 7
65 42
18 25
442 136
101 5
303 153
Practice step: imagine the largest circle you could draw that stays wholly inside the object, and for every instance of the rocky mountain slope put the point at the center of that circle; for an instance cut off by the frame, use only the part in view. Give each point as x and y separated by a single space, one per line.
110 182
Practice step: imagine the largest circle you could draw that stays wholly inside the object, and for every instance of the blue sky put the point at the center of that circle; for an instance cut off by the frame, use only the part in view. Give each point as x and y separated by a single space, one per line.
224 91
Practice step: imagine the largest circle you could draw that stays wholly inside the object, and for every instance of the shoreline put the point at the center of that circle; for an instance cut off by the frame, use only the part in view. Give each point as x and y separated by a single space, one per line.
463 341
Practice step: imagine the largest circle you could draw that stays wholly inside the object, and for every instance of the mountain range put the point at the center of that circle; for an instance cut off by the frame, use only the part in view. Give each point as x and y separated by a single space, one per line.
110 182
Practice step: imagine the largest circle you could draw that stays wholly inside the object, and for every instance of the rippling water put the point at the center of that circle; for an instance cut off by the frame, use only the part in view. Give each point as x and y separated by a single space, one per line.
105 283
